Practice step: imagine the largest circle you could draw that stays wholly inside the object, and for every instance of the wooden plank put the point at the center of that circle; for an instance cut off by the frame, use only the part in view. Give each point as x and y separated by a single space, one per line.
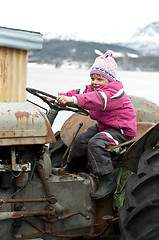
13 74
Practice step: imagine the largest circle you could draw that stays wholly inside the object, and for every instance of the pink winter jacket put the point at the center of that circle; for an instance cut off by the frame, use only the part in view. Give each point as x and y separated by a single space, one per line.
109 106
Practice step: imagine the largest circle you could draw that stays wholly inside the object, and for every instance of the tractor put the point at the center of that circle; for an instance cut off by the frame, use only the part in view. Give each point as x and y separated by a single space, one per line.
37 202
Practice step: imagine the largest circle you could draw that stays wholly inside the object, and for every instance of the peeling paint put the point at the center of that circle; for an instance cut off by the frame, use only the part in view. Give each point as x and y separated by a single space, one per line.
20 115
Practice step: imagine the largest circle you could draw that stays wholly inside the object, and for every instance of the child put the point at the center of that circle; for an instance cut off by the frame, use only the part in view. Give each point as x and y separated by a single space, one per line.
109 105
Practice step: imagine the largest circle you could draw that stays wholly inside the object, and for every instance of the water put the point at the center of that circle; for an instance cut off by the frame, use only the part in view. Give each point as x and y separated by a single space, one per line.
50 80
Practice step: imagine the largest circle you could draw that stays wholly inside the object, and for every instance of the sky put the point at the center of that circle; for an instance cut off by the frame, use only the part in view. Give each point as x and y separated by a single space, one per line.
84 16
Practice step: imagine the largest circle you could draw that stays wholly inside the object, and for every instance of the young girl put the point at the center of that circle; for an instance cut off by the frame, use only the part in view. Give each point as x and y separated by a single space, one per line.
109 105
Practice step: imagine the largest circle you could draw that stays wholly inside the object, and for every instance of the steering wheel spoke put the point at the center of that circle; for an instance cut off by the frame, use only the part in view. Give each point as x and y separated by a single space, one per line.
54 105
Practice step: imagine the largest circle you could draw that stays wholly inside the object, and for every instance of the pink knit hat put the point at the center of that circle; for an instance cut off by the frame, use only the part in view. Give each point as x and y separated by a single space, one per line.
106 66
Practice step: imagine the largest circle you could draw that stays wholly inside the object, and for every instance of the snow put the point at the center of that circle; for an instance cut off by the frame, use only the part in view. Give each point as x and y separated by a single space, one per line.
132 55
98 52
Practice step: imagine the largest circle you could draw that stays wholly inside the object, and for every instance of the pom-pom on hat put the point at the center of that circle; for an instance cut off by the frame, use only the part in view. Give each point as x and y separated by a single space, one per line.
106 66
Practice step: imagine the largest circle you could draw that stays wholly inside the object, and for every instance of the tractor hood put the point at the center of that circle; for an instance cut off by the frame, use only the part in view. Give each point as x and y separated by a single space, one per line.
22 124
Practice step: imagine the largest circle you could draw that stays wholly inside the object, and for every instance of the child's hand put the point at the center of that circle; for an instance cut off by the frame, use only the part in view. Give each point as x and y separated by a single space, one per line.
49 99
64 99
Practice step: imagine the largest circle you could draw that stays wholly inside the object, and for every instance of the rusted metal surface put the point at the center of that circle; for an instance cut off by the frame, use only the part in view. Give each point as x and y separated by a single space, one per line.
71 125
21 214
147 141
77 218
65 233
66 214
45 184
43 199
62 161
146 110
23 123
105 207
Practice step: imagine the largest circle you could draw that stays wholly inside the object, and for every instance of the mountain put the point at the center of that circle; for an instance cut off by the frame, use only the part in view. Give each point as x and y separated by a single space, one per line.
145 40
77 54
139 52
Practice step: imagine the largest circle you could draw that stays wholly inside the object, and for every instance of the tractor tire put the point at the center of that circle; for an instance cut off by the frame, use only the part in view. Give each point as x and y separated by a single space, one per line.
139 216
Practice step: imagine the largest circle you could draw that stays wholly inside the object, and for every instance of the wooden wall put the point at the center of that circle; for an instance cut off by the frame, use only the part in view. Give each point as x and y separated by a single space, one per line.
13 74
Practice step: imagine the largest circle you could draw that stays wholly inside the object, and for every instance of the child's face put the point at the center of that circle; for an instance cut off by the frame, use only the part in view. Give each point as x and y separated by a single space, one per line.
98 81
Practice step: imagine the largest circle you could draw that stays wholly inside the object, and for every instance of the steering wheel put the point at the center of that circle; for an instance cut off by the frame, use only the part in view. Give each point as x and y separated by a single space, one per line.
55 105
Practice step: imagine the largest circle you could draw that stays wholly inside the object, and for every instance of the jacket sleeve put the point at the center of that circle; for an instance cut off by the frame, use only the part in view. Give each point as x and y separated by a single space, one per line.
70 93
114 100
100 100
90 101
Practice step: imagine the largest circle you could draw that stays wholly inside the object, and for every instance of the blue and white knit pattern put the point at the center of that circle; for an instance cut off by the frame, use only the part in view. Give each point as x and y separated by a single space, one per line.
104 71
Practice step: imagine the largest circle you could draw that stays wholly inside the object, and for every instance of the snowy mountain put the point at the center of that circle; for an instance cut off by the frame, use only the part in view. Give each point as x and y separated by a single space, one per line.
79 50
145 40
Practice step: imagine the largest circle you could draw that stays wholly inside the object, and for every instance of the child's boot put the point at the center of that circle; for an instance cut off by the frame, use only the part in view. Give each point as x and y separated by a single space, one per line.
106 186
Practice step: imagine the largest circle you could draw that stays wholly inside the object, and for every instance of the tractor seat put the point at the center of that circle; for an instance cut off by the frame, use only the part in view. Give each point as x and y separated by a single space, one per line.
142 127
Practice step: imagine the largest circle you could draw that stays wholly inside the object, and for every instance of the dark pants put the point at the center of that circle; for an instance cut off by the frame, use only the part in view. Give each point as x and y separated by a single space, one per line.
93 143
